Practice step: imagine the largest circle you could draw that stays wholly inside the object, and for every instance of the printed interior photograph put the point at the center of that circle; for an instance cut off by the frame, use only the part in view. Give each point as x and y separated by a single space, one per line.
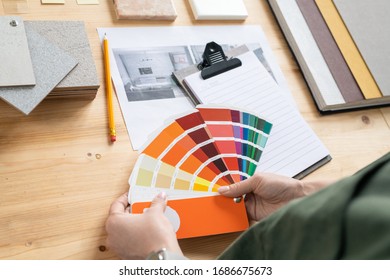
146 74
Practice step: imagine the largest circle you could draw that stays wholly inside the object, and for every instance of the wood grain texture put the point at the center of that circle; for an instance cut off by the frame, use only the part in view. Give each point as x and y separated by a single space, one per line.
59 173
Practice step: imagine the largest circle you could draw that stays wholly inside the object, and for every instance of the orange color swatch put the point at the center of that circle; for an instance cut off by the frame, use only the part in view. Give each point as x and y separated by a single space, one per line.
205 216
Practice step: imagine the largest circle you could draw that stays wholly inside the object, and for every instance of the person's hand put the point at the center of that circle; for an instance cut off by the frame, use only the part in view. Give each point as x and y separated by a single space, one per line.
264 193
134 236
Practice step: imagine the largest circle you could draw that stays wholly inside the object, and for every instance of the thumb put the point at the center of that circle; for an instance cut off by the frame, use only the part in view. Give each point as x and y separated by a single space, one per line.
238 189
159 202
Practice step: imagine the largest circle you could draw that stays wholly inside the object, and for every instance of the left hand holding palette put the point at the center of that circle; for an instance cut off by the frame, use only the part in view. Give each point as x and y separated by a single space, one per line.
190 159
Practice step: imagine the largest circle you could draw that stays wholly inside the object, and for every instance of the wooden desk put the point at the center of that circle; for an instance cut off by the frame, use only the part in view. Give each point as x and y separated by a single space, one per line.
59 174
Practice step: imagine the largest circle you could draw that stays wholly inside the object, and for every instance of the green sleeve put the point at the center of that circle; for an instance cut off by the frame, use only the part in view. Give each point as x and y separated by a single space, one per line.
347 220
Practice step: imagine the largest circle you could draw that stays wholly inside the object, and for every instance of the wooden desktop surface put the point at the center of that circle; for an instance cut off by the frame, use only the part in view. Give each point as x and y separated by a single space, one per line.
59 173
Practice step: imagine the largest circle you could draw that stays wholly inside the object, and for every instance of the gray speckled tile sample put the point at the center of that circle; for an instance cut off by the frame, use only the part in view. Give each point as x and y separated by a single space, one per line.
50 65
15 61
71 37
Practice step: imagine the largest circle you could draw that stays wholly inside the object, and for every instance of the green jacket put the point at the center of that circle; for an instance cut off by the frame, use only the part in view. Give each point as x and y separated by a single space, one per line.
347 220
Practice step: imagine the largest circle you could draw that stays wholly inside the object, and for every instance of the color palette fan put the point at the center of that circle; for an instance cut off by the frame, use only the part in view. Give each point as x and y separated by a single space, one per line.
191 158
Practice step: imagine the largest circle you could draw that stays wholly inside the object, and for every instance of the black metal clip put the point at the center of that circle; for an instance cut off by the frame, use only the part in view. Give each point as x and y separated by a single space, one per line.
215 62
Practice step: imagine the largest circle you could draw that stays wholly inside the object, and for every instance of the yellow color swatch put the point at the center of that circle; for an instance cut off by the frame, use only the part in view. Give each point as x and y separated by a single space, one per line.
349 50
201 185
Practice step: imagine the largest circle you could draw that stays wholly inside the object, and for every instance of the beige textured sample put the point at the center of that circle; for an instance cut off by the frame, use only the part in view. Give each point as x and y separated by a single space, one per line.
145 9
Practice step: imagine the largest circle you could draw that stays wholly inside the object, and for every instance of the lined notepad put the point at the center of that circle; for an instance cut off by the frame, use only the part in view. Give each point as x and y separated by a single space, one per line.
293 146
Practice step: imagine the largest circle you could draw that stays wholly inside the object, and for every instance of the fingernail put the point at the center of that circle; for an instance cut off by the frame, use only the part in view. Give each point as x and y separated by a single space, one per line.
223 189
162 195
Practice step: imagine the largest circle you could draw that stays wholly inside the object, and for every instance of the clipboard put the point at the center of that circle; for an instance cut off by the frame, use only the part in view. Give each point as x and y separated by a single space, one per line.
307 162
223 82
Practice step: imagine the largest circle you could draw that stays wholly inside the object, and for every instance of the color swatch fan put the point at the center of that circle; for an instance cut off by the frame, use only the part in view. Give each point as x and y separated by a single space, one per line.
190 159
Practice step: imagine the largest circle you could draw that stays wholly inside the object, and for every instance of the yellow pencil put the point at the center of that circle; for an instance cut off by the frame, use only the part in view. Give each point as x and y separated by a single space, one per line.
110 108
